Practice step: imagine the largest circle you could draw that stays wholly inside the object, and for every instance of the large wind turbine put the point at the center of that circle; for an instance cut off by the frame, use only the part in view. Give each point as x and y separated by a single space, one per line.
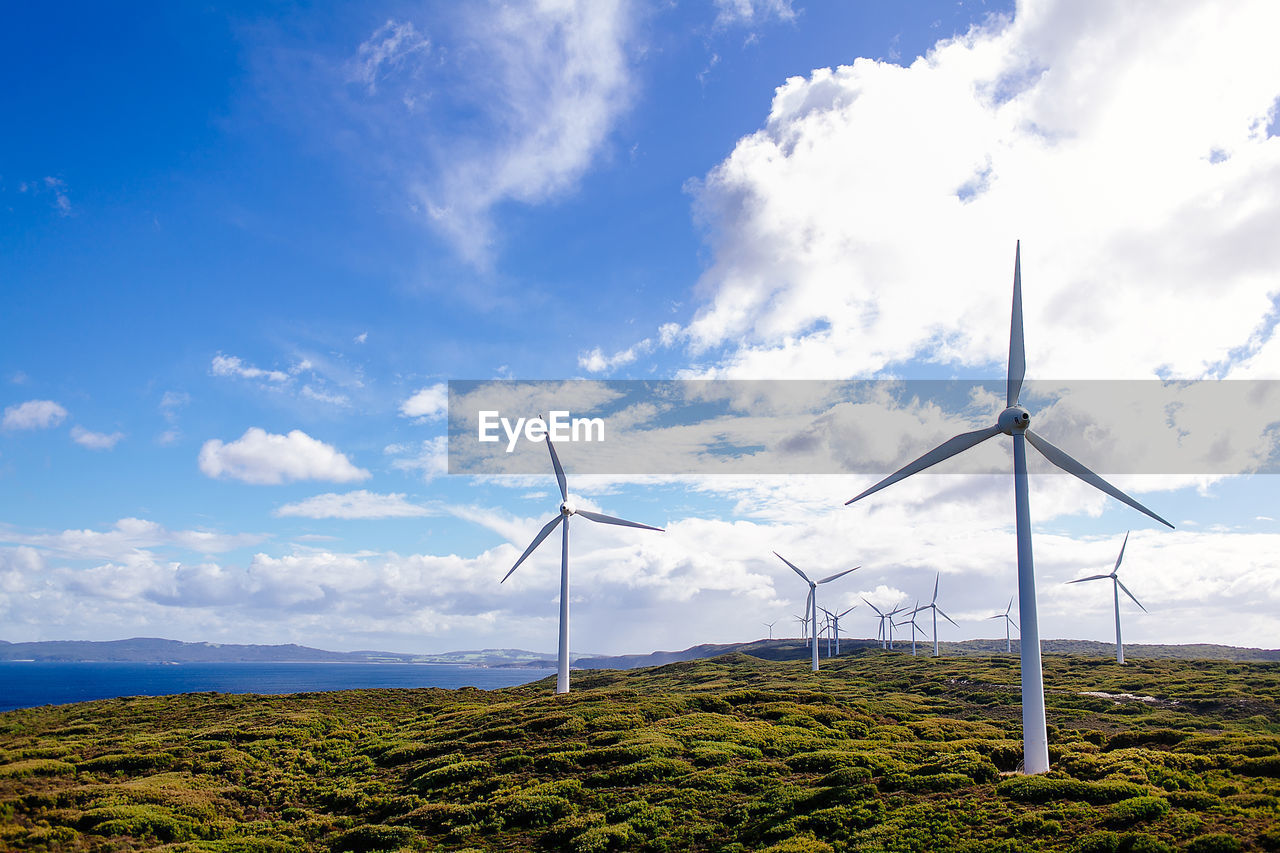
566 510
811 606
1008 620
933 605
1116 586
1015 421
770 626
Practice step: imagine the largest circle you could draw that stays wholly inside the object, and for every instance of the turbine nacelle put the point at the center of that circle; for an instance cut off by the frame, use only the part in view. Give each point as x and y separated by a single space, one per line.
567 508
1013 419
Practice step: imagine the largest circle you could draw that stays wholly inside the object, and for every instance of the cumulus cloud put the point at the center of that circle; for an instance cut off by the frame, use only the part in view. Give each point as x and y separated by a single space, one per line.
34 414
95 440
264 458
357 504
429 403
871 221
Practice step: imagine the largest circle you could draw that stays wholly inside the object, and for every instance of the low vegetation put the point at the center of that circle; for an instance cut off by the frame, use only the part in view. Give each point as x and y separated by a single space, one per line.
878 752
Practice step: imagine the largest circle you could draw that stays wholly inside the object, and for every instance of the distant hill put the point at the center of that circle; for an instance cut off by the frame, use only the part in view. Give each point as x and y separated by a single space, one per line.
791 649
152 650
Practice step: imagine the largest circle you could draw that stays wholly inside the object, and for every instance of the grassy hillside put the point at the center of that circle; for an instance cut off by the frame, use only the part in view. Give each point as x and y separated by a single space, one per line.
880 751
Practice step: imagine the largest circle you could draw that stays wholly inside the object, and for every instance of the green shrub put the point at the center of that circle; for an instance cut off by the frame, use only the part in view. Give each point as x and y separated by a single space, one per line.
1142 843
138 822
1042 789
531 810
127 762
36 767
1215 842
648 770
1137 809
1098 842
442 777
373 837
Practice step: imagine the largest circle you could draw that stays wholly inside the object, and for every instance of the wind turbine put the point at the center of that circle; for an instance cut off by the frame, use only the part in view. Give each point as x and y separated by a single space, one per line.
1008 620
889 620
1116 586
804 627
880 632
567 510
770 626
914 626
811 606
1015 421
933 605
835 624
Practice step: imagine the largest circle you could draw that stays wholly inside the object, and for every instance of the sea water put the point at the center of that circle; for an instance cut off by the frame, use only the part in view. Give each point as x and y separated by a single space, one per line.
27 684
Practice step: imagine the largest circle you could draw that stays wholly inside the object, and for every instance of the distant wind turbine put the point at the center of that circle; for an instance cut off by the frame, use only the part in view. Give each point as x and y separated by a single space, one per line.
835 624
1116 586
889 620
1008 620
566 510
881 635
804 626
914 626
770 626
811 605
1015 421
933 605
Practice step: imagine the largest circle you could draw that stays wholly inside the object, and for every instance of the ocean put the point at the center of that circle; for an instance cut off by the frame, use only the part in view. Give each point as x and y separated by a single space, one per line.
29 684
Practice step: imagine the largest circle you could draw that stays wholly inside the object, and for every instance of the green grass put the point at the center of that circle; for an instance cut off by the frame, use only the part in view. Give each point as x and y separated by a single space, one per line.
878 752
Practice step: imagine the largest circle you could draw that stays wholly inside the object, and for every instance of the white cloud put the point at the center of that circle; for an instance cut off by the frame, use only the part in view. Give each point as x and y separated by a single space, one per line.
34 414
129 538
325 397
871 221
230 365
95 440
429 457
551 80
429 403
265 458
394 46
357 504
361 338
749 12
596 361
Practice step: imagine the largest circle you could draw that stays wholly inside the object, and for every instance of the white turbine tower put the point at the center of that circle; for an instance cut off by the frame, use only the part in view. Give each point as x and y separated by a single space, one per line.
1015 421
1008 620
835 624
914 626
770 625
566 510
811 606
880 632
933 605
1116 586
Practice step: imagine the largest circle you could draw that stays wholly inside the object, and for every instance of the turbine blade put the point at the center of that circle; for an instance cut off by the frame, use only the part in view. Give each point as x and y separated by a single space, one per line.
793 567
1121 557
1090 578
555 462
1017 350
1131 595
537 540
609 519
945 616
847 612
946 450
1010 607
1071 466
808 604
997 616
873 607
936 578
840 574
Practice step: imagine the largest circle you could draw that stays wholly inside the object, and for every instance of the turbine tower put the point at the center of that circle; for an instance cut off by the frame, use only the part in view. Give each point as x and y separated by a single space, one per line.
567 510
914 626
835 624
811 606
1015 421
770 627
1116 586
1008 620
933 605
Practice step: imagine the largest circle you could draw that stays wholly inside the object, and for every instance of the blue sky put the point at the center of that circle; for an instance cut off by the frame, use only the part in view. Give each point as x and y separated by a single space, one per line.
245 245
